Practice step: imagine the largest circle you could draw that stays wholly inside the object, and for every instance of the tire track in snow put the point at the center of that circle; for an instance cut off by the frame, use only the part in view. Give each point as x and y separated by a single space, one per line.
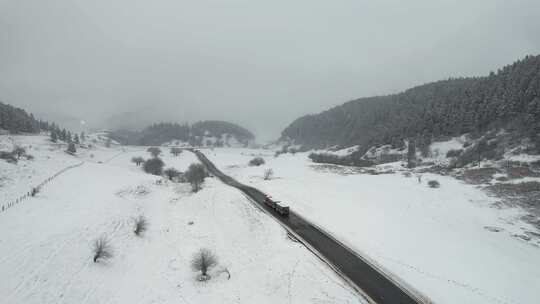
475 290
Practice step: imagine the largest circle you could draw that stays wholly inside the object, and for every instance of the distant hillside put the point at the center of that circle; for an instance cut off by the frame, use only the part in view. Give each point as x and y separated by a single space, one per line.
507 99
15 120
220 129
203 133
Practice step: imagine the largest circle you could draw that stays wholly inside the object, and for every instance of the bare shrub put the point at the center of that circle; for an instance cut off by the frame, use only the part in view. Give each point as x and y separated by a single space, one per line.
176 151
8 156
19 151
268 174
137 160
29 157
202 261
102 249
433 184
154 166
141 225
34 191
195 176
171 173
257 161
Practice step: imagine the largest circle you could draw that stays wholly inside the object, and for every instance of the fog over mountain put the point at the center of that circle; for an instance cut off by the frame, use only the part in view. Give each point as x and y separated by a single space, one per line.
259 64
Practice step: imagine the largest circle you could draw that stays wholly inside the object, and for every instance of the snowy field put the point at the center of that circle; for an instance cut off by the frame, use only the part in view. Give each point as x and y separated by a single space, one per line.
46 241
452 243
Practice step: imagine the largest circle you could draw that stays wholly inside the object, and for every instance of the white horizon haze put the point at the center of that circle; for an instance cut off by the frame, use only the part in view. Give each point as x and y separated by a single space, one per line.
256 63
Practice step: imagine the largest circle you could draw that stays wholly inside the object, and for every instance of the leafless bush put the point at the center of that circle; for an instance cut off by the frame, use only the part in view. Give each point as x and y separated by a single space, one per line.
8 156
195 176
19 151
137 160
102 249
434 184
141 225
176 151
171 173
202 261
268 174
154 166
257 161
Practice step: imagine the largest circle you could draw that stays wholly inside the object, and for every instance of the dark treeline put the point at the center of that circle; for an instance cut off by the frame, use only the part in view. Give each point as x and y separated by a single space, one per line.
160 133
507 99
17 120
218 128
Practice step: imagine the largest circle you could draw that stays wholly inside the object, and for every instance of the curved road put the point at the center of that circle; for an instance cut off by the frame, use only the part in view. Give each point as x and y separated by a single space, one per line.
369 281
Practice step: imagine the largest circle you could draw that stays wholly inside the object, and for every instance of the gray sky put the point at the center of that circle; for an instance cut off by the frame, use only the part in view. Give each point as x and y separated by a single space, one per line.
258 63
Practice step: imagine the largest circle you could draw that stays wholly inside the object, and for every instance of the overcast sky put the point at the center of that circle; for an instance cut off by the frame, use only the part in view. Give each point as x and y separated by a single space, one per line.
257 63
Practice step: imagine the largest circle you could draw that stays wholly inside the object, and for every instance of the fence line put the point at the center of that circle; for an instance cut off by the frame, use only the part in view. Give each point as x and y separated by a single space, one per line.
37 188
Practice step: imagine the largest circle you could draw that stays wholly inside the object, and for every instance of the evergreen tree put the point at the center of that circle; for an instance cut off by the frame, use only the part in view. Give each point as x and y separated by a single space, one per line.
411 154
71 148
54 136
63 135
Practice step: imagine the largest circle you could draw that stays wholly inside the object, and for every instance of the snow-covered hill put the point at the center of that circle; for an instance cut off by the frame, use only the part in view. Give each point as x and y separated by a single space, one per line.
46 240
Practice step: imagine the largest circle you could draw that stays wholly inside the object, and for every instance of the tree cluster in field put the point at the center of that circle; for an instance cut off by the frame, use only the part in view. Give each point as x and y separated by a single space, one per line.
287 149
15 154
195 174
160 133
57 134
508 99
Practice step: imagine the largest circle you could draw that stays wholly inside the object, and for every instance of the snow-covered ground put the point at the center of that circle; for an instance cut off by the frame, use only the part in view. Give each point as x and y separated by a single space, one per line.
46 241
452 243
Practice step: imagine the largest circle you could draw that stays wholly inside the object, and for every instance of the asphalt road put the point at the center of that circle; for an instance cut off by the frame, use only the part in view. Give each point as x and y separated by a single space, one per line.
364 277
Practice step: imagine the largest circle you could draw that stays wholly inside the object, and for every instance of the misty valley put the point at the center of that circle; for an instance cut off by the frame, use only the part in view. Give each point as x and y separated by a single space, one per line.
176 152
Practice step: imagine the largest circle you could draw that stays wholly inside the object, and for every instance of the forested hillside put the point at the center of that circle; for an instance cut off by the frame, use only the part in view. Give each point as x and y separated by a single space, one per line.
15 120
509 98
196 134
218 129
